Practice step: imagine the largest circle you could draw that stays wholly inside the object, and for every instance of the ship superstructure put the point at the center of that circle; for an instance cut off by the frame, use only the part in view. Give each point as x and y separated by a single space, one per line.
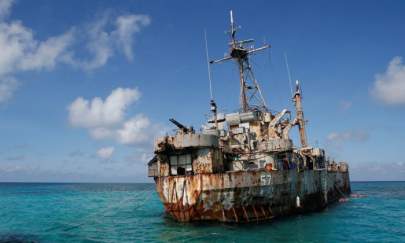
243 166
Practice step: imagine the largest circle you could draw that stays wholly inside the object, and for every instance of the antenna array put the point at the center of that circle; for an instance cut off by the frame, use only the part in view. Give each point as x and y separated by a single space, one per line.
251 96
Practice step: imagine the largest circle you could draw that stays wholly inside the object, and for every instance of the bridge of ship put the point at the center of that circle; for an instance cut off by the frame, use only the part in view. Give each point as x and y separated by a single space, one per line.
242 141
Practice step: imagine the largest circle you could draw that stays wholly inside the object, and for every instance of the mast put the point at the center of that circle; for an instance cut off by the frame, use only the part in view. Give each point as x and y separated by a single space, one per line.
300 115
250 93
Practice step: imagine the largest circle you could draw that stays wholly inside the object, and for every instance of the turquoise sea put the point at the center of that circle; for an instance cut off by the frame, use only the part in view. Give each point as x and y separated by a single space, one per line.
133 213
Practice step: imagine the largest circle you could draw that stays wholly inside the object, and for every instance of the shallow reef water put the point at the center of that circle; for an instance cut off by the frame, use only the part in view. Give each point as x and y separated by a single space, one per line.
51 212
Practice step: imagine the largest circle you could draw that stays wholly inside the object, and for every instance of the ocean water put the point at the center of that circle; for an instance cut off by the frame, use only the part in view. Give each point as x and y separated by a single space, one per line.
133 213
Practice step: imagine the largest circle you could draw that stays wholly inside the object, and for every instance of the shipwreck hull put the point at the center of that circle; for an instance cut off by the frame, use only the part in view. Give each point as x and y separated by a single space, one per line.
248 196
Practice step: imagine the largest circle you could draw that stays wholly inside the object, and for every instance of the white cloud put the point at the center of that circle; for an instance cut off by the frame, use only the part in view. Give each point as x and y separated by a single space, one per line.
106 152
47 53
103 43
15 40
389 87
21 51
339 137
107 119
134 131
98 113
98 45
127 26
7 87
5 6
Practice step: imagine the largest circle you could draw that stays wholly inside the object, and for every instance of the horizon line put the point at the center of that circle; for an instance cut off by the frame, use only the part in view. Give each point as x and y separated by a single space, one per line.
117 182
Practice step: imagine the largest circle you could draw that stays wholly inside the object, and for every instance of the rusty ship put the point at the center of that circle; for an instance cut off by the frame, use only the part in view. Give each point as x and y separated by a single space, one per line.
243 166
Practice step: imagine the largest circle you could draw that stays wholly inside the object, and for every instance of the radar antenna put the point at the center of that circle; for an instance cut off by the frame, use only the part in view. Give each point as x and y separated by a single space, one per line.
251 96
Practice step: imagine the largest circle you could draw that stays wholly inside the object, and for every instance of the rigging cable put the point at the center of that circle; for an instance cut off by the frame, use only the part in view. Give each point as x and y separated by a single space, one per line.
289 73
208 64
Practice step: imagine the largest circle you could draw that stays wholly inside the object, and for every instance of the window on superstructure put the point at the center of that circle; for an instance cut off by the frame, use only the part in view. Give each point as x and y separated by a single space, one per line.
180 164
284 162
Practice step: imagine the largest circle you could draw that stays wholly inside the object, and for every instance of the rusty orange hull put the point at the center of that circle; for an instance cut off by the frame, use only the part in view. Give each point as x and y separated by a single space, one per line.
250 196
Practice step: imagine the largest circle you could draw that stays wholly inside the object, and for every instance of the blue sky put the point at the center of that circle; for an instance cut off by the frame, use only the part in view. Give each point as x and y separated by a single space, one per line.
85 86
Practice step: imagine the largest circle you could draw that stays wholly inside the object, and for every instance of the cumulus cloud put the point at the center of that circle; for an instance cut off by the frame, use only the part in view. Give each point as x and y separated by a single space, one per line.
5 6
105 153
97 113
107 119
21 51
346 136
134 131
389 87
